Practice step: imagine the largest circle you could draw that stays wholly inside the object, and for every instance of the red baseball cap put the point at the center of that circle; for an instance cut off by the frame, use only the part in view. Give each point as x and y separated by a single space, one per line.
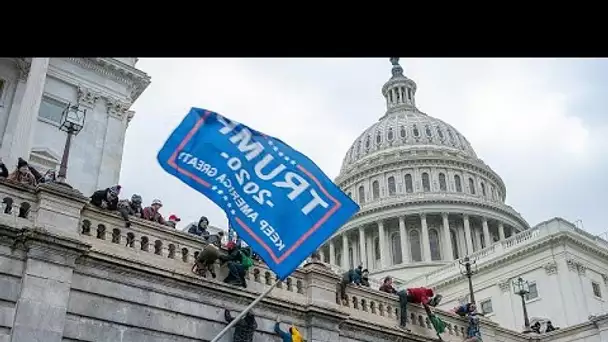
174 217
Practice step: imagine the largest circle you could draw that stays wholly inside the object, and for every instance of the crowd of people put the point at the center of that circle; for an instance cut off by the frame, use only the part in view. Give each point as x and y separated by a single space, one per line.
238 258
416 295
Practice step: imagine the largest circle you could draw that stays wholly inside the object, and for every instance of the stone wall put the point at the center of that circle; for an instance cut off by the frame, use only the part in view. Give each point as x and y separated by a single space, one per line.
69 272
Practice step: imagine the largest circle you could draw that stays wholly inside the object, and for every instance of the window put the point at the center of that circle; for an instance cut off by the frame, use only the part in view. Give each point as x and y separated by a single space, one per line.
403 134
440 133
457 183
350 194
378 138
392 188
375 190
396 246
426 184
409 188
415 246
434 243
409 93
339 258
471 186
533 292
483 189
416 132
482 238
454 239
597 291
51 109
442 185
367 143
351 258
486 306
361 194
390 135
428 131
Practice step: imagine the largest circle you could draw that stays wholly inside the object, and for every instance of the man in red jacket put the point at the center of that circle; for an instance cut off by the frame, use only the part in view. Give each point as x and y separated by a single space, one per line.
416 295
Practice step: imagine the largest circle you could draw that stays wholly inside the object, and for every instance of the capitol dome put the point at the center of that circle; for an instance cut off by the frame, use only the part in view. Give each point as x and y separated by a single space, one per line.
425 197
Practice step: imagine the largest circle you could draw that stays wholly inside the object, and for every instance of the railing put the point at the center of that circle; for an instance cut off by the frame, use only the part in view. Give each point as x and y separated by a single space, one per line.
505 246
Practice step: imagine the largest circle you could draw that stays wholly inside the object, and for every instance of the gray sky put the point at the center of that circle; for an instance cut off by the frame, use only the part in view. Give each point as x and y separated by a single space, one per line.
539 123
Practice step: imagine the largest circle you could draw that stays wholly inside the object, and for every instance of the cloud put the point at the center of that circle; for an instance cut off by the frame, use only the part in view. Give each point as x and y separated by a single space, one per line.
522 117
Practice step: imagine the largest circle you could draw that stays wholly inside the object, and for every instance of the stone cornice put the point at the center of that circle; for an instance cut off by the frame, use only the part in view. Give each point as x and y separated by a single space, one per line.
135 79
368 214
397 160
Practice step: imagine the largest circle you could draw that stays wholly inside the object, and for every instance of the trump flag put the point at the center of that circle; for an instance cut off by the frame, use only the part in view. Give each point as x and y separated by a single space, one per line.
276 199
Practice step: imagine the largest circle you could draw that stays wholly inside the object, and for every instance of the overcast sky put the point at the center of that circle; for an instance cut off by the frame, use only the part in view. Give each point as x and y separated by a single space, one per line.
540 124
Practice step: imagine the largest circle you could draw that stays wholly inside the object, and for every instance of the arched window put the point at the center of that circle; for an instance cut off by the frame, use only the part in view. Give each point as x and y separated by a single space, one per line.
416 132
390 135
440 133
361 194
482 239
428 131
403 133
483 189
375 190
378 138
392 189
442 185
377 248
434 244
457 183
396 249
472 186
455 252
493 192
351 258
367 142
415 246
339 258
409 187
426 184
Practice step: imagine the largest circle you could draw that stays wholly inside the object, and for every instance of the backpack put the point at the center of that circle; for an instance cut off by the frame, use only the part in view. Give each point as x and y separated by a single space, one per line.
246 261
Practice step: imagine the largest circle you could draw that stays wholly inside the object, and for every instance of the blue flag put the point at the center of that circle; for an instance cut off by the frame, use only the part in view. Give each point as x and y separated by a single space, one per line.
276 199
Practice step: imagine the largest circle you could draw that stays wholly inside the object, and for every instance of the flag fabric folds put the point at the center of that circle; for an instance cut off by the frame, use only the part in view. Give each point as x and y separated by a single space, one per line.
276 199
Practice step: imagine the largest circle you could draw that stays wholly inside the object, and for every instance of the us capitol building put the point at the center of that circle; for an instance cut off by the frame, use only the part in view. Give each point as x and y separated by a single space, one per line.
427 201
73 272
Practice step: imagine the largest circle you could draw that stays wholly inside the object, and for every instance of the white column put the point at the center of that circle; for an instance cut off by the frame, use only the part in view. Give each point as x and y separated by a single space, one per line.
332 253
477 235
448 253
344 261
426 247
486 232
362 254
23 132
404 245
501 231
467 235
370 251
382 241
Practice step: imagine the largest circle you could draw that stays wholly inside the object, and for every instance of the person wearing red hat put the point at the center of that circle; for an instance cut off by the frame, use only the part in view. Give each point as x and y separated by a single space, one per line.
152 213
416 295
173 219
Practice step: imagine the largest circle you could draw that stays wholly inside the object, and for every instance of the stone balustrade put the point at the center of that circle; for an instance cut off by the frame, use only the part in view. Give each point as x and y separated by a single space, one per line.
107 255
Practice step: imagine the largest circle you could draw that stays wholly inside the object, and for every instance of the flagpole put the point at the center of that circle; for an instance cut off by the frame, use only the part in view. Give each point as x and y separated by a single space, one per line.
244 312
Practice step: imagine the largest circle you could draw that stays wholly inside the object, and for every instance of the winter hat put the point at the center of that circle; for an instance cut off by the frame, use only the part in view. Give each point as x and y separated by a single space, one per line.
115 189
429 292
157 201
136 199
21 162
174 217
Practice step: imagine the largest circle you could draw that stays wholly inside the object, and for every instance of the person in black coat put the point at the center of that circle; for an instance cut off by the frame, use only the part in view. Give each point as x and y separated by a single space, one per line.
106 198
244 329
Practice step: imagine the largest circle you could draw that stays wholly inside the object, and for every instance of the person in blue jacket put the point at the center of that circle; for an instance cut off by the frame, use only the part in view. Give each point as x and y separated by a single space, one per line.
351 277
292 336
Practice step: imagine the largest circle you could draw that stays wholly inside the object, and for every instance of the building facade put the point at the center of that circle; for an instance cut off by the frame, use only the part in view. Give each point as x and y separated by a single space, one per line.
73 272
35 91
